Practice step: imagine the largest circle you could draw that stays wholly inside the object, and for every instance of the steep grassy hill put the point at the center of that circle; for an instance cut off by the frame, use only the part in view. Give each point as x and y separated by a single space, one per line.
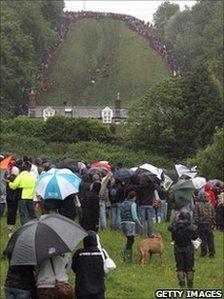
106 51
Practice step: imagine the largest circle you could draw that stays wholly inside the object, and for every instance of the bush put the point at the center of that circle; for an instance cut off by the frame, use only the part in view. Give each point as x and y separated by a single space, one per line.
23 126
95 151
21 145
33 147
70 130
210 161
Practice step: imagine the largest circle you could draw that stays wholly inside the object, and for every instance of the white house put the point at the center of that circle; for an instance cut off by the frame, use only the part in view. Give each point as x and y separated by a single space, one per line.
107 115
47 112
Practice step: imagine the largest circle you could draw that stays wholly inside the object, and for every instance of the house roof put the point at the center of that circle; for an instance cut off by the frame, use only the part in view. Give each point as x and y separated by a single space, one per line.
78 111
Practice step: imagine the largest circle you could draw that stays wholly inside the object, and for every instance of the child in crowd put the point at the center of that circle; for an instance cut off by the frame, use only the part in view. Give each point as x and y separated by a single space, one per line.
183 232
129 219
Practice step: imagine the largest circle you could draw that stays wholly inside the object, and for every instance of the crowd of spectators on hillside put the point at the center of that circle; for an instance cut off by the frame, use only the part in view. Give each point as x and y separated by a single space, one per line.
44 64
140 27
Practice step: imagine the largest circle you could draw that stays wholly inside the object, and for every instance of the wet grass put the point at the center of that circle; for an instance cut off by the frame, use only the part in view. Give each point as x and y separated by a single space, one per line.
135 282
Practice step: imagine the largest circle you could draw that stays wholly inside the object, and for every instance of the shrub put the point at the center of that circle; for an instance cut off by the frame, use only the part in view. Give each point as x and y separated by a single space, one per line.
23 125
70 130
210 161
95 151
21 145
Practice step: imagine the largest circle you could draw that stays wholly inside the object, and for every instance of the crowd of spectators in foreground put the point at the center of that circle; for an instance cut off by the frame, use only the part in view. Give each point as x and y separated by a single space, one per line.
132 205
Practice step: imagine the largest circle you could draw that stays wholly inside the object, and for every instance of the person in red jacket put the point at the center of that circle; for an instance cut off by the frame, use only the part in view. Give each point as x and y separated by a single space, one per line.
211 195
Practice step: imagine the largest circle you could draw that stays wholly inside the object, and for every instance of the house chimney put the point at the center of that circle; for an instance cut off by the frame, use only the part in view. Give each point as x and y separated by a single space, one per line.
117 106
32 99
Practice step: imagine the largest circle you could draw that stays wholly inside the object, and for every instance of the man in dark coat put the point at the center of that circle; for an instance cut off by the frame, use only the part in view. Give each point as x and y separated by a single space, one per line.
87 263
67 207
90 208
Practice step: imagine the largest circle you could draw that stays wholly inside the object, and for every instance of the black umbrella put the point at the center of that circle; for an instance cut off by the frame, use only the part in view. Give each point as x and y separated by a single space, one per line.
123 173
172 173
146 178
97 170
69 164
44 159
41 239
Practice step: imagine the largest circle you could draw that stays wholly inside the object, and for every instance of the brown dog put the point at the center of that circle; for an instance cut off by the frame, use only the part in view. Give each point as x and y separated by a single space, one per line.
151 245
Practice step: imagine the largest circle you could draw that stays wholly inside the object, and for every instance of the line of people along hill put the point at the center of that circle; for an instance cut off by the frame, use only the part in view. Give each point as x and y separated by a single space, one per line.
140 27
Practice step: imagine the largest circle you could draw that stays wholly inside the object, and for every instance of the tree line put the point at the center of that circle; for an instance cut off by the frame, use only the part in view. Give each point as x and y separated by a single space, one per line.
182 117
193 35
28 29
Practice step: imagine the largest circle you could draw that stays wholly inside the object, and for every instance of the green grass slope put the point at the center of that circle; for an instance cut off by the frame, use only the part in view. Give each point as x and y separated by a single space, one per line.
135 282
125 61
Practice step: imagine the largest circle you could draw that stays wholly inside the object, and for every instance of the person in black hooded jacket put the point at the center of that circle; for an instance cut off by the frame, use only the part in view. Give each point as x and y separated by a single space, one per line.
183 232
87 263
91 209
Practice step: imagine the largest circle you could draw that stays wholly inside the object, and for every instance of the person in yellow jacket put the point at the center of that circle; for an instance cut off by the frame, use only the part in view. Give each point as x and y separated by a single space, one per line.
27 182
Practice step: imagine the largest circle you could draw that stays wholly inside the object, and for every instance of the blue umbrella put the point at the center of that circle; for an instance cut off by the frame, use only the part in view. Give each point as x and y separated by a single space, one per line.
57 184
123 173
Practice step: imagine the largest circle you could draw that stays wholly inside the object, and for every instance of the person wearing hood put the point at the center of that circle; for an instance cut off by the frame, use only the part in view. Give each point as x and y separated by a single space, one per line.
91 208
87 263
183 232
204 218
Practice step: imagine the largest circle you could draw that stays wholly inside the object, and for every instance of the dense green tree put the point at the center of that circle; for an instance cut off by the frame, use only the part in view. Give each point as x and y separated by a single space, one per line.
17 60
153 122
181 36
165 11
204 104
33 23
26 35
177 117
196 35
53 11
210 160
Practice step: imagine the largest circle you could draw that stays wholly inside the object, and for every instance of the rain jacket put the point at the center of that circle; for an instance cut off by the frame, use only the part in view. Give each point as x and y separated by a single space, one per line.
183 232
90 211
210 194
204 212
87 263
27 182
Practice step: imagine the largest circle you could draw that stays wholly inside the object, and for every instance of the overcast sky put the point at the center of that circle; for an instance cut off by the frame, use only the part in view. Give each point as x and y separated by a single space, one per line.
143 10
